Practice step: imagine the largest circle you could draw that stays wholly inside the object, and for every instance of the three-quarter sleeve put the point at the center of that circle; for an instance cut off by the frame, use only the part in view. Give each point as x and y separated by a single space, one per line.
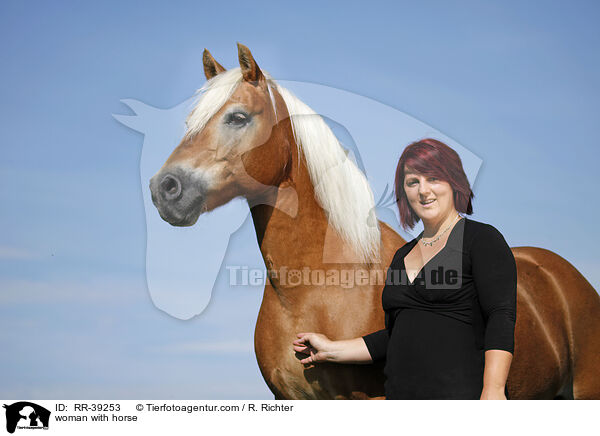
377 342
495 276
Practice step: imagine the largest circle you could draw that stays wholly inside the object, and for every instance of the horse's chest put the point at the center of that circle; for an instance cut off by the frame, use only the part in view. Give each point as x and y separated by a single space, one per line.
282 369
294 380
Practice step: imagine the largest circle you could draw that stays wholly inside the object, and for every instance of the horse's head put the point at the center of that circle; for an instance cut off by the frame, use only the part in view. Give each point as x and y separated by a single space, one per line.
233 146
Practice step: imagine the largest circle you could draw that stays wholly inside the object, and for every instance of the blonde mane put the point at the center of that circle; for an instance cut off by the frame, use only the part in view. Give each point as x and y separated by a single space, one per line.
341 189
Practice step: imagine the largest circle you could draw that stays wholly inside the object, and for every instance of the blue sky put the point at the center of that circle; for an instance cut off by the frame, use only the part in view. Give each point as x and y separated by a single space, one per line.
515 83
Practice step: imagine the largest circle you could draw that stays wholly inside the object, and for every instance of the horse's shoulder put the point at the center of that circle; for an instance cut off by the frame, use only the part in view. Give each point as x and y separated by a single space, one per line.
391 241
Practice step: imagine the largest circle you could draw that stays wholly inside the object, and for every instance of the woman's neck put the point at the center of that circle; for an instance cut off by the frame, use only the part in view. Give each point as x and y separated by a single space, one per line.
433 227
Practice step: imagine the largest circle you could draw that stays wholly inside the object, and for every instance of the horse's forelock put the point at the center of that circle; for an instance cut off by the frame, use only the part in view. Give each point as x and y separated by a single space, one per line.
210 98
214 94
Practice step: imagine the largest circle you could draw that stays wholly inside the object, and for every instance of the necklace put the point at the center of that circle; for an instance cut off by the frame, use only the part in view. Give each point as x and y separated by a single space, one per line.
433 241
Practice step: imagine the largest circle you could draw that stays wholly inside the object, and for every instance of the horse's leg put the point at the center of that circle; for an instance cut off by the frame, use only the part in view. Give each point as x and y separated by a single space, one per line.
541 364
586 371
586 340
579 319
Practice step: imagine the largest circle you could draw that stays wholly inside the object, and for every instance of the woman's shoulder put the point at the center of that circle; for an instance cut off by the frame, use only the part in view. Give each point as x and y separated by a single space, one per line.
477 226
481 233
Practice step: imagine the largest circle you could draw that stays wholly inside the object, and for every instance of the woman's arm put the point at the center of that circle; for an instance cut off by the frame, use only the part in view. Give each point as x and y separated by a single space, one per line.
365 349
495 276
497 365
320 348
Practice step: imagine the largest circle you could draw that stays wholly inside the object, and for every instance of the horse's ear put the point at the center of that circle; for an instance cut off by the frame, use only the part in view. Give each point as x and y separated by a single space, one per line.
250 70
211 67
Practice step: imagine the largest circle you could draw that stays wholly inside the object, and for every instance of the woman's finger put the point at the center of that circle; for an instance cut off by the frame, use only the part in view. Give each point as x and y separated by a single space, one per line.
304 350
304 340
307 360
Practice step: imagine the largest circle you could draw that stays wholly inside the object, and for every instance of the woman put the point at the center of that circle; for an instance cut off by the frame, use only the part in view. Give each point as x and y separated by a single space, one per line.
450 294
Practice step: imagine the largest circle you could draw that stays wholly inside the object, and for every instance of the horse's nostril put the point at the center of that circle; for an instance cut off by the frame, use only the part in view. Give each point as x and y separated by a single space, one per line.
169 184
171 187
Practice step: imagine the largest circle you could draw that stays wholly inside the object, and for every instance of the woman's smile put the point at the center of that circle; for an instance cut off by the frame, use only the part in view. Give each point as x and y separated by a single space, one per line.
427 203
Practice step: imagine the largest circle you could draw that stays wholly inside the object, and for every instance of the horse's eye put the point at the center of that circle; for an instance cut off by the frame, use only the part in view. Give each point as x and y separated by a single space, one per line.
237 119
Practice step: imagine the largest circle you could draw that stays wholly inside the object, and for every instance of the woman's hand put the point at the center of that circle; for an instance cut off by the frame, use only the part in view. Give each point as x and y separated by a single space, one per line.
316 346
492 394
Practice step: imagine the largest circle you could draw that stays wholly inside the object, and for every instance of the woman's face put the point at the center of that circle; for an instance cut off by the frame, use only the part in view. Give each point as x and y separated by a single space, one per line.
430 198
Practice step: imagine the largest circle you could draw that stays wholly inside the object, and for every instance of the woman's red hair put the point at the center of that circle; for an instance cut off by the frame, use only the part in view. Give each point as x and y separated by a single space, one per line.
432 158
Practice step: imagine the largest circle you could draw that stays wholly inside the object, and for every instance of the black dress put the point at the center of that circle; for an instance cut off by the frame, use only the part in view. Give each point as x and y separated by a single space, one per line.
437 329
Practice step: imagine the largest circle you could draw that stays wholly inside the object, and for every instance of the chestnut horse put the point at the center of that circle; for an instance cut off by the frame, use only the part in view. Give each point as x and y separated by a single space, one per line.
313 211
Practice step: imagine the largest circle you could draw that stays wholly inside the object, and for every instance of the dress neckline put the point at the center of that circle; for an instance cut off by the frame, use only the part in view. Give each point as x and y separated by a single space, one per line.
416 241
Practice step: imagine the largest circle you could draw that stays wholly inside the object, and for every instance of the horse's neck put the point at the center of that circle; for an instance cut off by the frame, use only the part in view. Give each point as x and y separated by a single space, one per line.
291 227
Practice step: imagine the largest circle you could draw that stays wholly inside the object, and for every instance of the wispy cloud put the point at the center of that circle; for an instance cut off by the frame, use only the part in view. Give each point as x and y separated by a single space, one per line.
195 389
216 347
17 253
26 291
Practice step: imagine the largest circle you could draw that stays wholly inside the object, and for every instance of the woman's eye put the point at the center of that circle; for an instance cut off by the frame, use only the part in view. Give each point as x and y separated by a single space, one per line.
411 183
237 119
433 179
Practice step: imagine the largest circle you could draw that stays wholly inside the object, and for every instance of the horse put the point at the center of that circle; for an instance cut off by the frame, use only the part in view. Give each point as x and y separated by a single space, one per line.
313 213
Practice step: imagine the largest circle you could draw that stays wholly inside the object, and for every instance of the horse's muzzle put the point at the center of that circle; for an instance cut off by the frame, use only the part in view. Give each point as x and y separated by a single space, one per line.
177 195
